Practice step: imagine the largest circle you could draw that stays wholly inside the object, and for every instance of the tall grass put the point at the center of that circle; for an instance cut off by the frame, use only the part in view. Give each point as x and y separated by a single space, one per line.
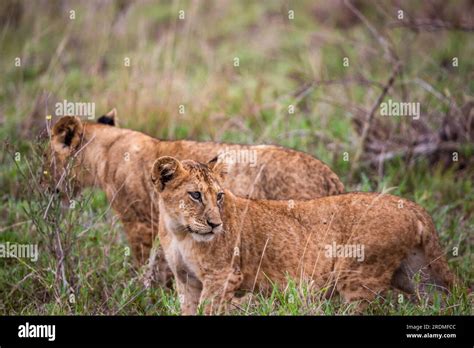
189 63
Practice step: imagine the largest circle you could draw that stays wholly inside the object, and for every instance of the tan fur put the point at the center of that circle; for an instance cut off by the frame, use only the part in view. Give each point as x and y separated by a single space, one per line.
119 162
257 243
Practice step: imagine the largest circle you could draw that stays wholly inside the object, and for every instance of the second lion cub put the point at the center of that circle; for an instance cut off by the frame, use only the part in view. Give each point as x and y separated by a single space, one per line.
217 243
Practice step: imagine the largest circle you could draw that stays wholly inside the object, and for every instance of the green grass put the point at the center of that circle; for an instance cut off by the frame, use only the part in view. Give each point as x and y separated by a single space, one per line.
191 63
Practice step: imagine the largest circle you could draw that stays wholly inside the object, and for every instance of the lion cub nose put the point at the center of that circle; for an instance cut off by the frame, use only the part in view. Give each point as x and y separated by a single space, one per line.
213 224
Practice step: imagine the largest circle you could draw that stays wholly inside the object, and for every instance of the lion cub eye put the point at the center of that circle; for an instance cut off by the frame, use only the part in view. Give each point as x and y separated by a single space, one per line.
220 196
195 195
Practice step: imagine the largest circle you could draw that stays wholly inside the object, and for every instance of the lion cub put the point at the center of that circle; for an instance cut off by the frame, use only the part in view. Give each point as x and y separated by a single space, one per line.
217 243
118 161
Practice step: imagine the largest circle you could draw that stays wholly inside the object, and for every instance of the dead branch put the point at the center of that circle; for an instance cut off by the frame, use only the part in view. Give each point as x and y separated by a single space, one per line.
431 25
385 141
374 108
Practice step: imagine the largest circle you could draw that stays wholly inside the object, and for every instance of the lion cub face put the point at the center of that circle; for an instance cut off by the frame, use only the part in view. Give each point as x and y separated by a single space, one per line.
191 197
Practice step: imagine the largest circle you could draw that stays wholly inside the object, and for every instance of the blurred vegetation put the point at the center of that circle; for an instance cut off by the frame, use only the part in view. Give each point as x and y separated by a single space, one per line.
191 62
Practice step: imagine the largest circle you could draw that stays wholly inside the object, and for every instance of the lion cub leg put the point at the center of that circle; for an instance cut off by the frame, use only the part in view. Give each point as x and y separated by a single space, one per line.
157 270
359 281
219 290
140 238
188 295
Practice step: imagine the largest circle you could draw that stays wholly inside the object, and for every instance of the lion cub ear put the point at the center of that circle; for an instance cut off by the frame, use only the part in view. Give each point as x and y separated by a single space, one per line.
219 167
109 118
165 169
67 134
